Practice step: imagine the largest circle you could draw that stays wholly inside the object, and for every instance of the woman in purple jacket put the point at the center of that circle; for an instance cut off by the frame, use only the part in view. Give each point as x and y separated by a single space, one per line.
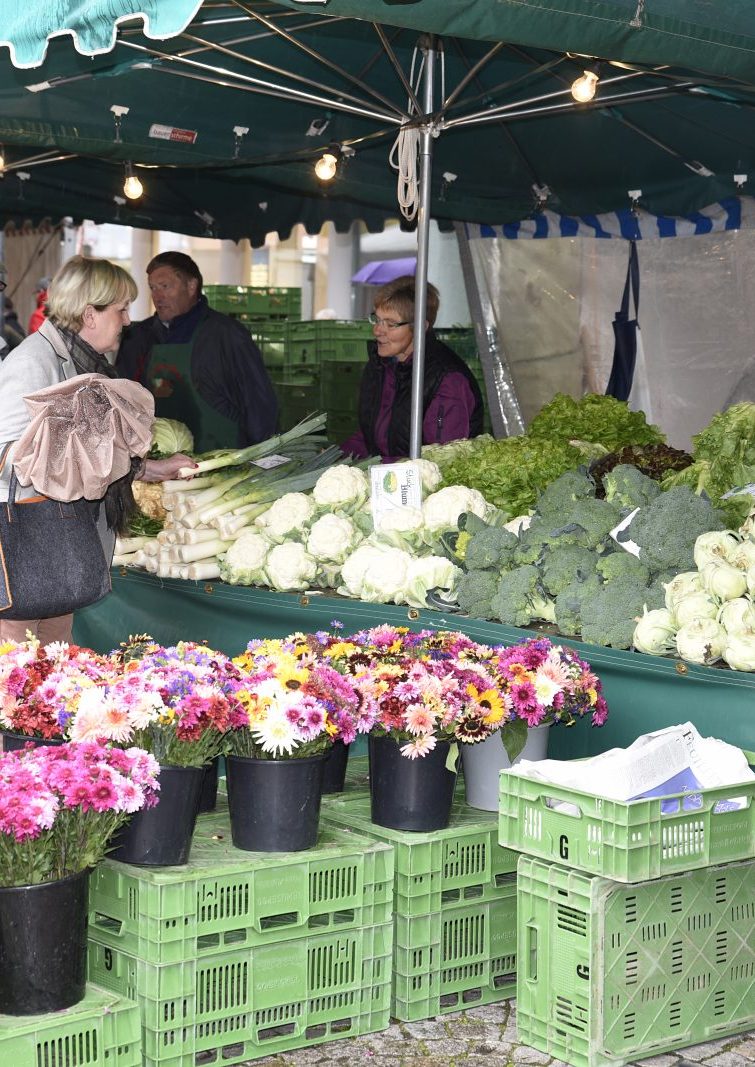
452 402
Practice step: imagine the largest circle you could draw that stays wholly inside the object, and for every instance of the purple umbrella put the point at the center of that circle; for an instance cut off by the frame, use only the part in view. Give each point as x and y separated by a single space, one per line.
380 271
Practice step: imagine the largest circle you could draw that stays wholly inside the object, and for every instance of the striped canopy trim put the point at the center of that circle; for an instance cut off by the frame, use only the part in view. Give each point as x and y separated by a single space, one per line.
626 224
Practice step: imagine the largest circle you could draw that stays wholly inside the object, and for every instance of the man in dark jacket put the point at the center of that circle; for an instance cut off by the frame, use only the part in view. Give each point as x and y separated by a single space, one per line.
452 404
202 366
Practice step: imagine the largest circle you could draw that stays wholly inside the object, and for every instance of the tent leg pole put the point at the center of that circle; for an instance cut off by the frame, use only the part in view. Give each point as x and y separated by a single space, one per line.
423 240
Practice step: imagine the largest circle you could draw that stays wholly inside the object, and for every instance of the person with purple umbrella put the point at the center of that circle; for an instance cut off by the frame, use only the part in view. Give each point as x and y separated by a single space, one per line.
452 402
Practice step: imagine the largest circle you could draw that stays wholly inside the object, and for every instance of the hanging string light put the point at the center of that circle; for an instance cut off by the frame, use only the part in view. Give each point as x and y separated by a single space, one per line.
132 187
327 165
583 89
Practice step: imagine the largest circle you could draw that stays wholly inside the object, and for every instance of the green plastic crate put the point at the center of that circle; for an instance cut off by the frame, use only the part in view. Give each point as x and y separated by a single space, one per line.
272 340
454 959
227 898
339 383
457 865
462 340
254 301
611 973
627 841
102 1030
343 342
257 1001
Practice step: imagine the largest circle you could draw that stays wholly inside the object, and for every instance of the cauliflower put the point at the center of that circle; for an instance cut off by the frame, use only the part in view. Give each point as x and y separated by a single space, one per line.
375 574
352 571
332 538
244 562
401 528
429 473
441 511
289 566
429 572
288 515
342 487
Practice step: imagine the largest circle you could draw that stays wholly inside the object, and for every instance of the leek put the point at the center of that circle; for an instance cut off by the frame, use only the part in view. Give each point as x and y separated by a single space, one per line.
232 458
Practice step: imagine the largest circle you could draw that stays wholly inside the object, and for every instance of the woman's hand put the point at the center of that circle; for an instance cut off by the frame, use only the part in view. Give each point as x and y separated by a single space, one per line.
160 470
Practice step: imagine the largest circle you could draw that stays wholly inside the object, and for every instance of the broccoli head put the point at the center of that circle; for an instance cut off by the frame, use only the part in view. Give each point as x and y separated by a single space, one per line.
491 546
569 605
519 598
475 591
627 487
531 543
564 564
588 523
561 495
610 613
622 565
666 530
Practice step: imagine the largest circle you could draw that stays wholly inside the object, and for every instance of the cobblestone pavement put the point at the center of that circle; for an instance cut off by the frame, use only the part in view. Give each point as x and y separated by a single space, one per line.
482 1037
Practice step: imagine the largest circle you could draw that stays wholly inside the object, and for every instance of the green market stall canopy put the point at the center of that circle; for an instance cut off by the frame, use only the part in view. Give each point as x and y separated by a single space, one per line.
222 109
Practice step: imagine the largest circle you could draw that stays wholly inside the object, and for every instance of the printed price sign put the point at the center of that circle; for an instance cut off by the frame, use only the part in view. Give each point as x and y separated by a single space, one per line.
394 485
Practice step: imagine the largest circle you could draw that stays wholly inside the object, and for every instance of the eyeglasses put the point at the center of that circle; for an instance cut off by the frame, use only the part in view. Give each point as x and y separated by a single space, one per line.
387 323
3 286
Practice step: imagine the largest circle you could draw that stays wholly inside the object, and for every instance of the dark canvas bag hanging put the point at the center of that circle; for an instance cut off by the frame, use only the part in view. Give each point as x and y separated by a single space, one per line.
51 556
625 333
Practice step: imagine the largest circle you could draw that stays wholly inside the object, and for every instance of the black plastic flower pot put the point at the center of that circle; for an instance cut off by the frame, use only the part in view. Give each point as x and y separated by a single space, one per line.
12 742
161 836
410 794
208 794
334 775
43 945
274 804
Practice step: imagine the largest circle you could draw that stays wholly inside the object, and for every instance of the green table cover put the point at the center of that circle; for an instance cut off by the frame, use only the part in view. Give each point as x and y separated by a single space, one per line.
643 692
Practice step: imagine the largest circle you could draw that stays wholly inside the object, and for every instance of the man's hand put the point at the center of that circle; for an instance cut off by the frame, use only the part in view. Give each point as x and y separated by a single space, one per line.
160 470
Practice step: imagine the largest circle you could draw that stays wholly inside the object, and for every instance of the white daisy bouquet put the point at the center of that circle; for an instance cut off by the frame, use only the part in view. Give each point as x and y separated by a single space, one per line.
296 705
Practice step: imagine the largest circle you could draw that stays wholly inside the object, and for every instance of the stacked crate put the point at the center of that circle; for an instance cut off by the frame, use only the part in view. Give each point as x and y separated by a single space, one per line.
454 909
102 1030
242 955
635 919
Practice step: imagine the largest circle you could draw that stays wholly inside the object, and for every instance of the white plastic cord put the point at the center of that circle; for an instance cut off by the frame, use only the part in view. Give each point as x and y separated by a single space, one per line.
404 155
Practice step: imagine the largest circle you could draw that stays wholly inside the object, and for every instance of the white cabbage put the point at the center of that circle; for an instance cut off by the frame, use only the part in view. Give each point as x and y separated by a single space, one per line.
737 615
723 581
681 585
716 546
701 641
695 606
170 436
654 633
739 652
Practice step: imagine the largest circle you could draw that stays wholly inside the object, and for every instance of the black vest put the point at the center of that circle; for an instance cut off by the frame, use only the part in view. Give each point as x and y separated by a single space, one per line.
440 360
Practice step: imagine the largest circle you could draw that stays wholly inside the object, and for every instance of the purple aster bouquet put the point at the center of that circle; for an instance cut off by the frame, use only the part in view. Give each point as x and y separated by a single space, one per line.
176 702
59 806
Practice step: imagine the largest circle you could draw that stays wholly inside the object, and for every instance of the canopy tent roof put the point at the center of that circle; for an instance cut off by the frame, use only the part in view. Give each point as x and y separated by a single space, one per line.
226 118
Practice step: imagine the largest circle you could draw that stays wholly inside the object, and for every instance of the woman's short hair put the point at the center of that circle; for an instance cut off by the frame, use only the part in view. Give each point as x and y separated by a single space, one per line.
399 295
82 281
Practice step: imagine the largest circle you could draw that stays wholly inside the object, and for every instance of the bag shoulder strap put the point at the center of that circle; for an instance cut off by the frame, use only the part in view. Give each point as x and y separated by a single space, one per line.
4 455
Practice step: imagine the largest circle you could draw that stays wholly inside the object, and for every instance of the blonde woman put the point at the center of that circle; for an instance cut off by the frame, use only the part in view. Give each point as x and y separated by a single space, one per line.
88 308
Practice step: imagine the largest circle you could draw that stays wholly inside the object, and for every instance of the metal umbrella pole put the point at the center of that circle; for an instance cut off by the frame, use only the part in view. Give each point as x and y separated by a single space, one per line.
423 239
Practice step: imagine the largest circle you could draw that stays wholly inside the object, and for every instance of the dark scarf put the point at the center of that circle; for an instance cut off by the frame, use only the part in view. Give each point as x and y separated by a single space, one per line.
120 505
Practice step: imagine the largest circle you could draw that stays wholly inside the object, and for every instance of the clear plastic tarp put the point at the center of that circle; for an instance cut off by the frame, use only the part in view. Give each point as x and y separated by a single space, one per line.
551 303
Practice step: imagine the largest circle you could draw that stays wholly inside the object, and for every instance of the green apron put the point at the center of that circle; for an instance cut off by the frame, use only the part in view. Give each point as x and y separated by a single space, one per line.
169 379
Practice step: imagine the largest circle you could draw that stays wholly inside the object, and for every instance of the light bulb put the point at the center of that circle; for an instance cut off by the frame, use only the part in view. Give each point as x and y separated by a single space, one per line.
326 166
132 187
2 159
583 89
